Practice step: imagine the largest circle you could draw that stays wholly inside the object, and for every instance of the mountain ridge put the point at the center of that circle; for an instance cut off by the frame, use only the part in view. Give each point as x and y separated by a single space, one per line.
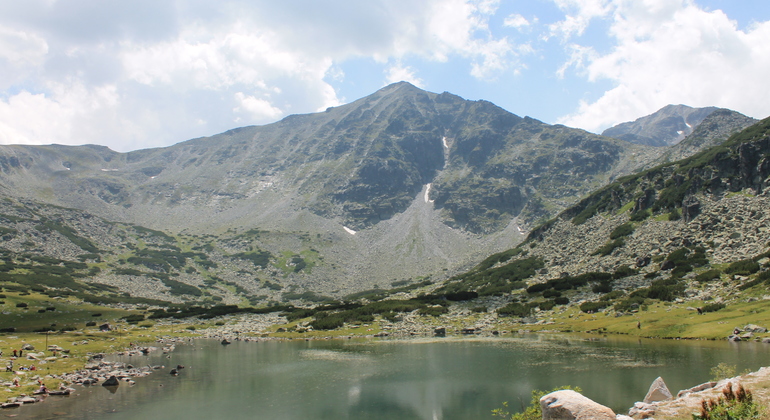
325 202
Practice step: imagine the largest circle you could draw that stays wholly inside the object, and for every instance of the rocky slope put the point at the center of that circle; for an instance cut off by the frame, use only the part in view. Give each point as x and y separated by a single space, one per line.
694 229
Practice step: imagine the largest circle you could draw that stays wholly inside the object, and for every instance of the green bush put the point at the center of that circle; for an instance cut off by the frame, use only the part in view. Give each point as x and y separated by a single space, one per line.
713 307
589 307
514 309
674 215
708 276
743 267
603 287
610 246
640 215
623 230
734 404
561 300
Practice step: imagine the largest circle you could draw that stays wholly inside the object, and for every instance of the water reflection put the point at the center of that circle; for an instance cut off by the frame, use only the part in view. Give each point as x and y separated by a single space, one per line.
443 379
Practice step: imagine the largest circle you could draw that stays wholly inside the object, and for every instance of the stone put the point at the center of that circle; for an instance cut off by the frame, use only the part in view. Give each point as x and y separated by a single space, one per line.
623 417
642 410
697 388
28 347
658 392
112 381
755 329
570 405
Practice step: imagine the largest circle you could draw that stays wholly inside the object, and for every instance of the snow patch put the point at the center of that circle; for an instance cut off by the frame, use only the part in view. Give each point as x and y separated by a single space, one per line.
109 170
688 125
427 194
443 140
349 230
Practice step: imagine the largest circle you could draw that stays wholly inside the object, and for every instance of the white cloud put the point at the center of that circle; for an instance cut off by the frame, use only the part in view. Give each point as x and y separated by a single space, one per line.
399 73
671 52
258 108
140 74
20 53
516 21
579 15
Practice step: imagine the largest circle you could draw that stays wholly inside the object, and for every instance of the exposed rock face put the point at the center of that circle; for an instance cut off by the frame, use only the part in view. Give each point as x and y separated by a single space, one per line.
658 392
570 405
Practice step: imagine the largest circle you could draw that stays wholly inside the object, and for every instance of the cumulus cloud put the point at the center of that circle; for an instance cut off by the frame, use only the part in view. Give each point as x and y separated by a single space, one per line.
671 52
148 73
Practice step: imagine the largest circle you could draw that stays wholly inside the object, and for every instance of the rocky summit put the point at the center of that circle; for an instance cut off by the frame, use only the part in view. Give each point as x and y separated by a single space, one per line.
402 187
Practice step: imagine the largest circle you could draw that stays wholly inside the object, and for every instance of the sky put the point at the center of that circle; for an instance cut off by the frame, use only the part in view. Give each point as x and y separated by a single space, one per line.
151 73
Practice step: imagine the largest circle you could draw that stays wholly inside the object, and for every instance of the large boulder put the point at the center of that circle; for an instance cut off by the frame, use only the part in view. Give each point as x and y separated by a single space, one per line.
570 405
658 392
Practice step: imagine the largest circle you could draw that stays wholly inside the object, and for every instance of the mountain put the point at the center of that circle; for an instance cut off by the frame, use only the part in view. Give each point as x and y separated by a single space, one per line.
398 187
712 131
666 127
693 231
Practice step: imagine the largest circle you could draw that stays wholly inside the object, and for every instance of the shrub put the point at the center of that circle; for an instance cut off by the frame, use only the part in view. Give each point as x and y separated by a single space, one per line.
610 246
589 307
623 230
734 404
539 287
708 276
713 307
626 305
722 371
603 287
551 293
547 305
640 215
21 305
514 309
561 300
612 295
743 267
674 215
623 271
134 318
91 324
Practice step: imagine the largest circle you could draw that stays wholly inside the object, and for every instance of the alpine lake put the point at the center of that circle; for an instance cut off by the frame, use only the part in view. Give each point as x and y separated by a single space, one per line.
427 379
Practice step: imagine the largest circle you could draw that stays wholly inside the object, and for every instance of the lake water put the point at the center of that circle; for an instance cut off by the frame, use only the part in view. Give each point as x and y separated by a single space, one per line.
394 379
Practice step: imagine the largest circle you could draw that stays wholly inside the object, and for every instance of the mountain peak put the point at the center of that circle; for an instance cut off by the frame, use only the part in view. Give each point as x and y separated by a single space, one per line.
665 127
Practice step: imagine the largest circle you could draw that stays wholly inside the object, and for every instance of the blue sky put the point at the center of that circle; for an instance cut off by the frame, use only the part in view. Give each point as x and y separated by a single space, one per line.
141 74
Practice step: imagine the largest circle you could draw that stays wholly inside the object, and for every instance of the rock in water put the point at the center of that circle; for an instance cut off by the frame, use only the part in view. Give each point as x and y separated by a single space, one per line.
113 381
570 405
658 391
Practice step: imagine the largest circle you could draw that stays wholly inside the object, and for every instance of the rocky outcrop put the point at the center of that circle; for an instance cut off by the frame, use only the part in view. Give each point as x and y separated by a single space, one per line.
570 405
658 392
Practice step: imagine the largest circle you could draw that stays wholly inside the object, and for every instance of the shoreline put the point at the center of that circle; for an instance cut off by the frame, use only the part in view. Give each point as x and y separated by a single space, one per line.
165 339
